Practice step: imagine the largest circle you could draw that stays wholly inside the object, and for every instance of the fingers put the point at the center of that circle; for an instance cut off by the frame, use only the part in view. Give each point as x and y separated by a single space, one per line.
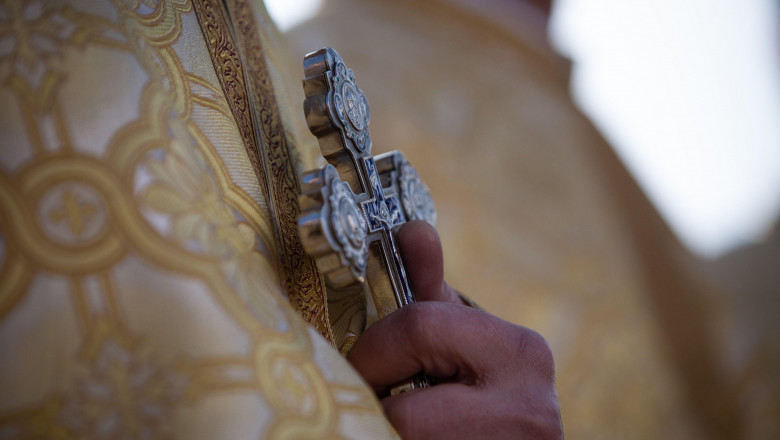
444 341
404 343
496 379
424 262
454 411
429 414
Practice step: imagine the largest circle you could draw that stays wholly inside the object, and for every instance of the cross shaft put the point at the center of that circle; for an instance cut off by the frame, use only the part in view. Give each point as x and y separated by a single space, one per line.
352 207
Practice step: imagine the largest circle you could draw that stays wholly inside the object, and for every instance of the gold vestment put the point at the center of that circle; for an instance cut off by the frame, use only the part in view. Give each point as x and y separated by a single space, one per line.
148 259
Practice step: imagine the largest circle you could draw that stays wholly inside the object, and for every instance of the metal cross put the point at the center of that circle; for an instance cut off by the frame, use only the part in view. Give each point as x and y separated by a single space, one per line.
352 208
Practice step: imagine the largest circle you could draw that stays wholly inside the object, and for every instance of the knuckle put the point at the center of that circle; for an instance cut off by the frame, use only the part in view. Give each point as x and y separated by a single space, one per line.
418 318
535 350
544 423
533 414
424 326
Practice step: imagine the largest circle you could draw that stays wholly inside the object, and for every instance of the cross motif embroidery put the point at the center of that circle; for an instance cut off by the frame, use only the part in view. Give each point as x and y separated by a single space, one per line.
77 214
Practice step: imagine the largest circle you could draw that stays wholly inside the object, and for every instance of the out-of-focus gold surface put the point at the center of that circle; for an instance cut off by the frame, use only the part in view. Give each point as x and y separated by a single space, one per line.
542 226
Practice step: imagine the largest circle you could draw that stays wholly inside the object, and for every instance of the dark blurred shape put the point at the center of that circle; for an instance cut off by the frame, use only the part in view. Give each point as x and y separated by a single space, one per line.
543 5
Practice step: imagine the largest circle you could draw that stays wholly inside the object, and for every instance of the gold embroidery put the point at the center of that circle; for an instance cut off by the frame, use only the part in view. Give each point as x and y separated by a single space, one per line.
276 166
60 252
38 31
126 385
155 200
15 274
73 211
310 415
231 76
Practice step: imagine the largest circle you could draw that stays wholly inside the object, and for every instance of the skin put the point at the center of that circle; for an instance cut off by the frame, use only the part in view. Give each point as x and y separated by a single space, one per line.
495 379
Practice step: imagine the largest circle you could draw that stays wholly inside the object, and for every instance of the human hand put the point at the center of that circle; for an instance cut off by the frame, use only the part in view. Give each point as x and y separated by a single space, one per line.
494 379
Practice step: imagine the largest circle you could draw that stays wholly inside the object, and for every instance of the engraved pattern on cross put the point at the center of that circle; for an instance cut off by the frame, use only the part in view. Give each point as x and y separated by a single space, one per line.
351 209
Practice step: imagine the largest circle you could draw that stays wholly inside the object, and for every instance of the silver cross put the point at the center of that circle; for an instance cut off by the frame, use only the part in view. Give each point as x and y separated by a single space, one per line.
352 208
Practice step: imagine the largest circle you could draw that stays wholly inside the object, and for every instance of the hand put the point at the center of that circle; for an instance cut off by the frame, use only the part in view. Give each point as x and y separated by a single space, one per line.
495 379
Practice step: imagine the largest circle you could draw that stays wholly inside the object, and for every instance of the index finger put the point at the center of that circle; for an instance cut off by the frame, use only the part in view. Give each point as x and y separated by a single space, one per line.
442 340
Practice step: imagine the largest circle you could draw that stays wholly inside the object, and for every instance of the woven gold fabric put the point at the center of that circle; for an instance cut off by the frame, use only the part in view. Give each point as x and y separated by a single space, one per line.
140 294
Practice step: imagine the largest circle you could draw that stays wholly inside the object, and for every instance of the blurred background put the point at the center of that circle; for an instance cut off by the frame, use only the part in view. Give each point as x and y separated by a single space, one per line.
606 172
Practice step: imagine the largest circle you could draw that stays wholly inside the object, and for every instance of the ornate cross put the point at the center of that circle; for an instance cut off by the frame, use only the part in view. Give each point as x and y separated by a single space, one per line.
352 208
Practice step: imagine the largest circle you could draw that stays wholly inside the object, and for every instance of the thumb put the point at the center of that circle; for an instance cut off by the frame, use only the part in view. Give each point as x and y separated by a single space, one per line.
424 262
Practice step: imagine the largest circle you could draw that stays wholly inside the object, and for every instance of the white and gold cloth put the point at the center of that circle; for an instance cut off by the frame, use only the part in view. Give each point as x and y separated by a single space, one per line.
140 258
